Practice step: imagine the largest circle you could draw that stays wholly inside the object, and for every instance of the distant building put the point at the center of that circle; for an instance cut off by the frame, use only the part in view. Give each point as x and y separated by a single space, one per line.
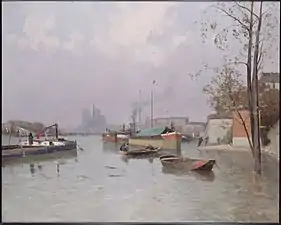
86 116
274 135
271 80
218 129
93 111
194 128
178 122
239 132
92 122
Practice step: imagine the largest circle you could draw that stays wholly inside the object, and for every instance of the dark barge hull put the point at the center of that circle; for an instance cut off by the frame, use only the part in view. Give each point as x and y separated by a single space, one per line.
17 152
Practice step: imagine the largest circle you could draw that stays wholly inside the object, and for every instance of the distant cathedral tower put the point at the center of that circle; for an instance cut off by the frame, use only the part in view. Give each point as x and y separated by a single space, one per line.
94 111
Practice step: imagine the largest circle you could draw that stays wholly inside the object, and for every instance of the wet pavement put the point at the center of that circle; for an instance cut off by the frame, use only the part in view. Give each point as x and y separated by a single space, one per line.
101 185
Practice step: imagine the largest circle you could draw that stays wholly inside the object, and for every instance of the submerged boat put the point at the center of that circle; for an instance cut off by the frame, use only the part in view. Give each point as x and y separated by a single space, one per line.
161 137
187 163
38 146
138 152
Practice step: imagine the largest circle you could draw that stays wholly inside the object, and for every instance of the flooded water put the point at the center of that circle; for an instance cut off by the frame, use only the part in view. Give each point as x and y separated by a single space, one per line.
101 185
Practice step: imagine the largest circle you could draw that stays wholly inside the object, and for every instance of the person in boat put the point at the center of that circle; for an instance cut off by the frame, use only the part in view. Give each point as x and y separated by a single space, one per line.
30 138
172 127
149 147
124 147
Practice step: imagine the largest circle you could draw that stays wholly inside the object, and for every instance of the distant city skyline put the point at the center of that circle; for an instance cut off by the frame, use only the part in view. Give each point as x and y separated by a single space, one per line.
92 121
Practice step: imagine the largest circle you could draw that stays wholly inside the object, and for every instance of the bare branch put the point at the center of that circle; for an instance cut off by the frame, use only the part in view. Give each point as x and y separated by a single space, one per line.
241 118
244 7
234 18
236 63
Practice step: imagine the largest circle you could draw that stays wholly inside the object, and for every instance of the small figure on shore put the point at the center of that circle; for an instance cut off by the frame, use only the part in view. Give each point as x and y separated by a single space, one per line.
200 140
206 140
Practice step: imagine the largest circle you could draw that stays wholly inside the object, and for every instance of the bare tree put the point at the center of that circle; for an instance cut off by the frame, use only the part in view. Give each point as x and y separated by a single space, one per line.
248 34
227 93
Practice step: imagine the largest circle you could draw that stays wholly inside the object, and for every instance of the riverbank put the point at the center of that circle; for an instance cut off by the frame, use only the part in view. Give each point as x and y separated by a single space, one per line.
267 150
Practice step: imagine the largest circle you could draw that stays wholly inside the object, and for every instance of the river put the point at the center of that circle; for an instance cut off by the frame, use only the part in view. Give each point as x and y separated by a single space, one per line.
100 185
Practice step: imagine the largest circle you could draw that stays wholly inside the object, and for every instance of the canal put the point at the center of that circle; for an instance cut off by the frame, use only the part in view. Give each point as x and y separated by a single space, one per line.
100 185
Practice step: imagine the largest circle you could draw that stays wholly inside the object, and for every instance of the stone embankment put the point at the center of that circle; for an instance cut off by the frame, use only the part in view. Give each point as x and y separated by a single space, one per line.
266 150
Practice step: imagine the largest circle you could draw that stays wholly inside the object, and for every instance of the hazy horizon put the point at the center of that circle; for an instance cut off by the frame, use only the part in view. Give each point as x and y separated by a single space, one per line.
61 57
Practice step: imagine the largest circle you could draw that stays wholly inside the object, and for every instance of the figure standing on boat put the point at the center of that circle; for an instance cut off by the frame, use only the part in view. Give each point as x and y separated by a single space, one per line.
30 139
124 147
172 126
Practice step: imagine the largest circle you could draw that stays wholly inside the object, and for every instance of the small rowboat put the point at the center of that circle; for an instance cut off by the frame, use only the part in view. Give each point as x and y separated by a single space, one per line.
138 152
187 163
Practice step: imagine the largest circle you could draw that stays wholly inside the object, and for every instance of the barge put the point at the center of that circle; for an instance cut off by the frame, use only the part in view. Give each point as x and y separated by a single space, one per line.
162 137
36 146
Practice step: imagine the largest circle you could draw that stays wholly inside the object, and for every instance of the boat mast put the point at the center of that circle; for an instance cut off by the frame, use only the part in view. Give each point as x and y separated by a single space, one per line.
139 107
151 109
151 105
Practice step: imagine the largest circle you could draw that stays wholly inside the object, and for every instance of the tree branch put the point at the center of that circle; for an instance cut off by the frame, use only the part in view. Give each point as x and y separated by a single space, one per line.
234 18
223 30
244 7
235 63
241 118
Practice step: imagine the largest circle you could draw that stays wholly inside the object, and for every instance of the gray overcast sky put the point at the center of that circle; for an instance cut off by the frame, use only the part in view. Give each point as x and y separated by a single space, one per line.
60 57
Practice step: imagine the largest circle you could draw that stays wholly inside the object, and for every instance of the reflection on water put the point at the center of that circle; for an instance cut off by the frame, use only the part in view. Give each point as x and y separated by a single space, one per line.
126 158
32 169
99 184
201 175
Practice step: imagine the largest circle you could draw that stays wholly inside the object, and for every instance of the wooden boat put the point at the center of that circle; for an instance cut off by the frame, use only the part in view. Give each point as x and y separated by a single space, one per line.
142 151
187 163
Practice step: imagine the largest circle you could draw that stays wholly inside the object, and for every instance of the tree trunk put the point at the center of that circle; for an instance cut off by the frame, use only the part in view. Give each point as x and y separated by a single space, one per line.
249 72
255 100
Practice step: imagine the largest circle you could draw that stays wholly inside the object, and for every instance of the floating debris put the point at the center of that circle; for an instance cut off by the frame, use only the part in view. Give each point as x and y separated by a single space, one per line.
83 177
115 175
39 166
110 167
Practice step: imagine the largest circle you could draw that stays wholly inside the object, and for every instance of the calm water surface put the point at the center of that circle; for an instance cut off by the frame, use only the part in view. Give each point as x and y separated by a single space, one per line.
100 185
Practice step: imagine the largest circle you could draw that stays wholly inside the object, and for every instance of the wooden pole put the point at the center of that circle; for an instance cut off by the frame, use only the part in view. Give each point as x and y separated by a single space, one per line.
139 107
151 108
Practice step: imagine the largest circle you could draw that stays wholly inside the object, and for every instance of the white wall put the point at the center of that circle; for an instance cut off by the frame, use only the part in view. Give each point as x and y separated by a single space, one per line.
273 85
273 136
217 128
240 142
